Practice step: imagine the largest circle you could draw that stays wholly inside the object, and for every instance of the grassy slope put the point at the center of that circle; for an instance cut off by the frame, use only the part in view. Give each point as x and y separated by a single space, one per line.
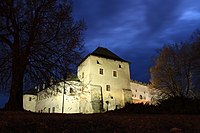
97 123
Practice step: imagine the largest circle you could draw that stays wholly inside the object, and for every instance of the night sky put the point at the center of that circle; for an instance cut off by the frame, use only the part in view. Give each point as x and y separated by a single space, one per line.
135 29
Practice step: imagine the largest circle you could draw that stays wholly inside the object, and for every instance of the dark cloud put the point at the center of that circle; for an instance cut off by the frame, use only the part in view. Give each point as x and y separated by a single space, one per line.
159 13
135 29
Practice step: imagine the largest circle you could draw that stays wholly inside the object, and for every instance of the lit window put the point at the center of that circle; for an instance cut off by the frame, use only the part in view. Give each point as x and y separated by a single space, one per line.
30 99
101 71
107 87
114 73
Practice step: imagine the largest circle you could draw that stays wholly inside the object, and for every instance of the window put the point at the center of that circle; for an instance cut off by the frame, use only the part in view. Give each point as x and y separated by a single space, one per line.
64 91
107 87
114 73
53 110
98 62
71 90
82 74
49 110
135 90
140 96
120 66
101 71
30 98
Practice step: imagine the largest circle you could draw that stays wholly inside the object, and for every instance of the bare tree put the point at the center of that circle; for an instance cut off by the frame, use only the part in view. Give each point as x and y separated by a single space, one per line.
165 74
196 60
175 70
39 40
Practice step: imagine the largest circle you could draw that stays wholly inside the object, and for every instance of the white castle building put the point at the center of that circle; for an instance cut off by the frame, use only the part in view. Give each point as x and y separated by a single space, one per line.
104 84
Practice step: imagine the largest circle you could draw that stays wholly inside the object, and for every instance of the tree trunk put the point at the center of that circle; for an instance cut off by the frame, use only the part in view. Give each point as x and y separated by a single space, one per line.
15 102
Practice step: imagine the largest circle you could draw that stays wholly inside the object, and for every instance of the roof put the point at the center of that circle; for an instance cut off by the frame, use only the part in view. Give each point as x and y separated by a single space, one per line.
105 53
31 91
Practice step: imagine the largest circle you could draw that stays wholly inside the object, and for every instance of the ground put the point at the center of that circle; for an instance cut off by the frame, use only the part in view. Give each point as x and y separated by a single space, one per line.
27 122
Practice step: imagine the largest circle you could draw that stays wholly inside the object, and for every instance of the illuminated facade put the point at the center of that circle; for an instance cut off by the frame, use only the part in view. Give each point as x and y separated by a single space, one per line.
111 73
104 85
140 93
29 100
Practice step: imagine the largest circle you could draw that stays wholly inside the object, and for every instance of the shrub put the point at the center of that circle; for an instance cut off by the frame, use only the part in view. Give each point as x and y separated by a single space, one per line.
174 105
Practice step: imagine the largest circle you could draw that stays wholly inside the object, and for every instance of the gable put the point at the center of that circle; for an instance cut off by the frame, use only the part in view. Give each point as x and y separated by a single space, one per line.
104 53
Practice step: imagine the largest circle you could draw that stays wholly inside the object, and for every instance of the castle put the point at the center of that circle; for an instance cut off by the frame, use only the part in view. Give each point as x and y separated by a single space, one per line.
104 84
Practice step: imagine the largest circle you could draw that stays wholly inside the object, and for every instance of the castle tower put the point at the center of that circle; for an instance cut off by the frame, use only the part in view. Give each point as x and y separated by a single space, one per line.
108 77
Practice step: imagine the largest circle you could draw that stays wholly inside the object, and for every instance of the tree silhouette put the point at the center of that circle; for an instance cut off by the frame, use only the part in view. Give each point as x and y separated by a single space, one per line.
196 59
39 40
165 74
176 69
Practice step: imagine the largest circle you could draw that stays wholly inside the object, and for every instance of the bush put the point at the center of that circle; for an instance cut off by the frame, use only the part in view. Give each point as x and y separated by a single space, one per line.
180 105
174 105
138 108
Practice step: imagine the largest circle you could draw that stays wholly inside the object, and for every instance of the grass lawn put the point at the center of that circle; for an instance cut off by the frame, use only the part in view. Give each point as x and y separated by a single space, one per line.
26 122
